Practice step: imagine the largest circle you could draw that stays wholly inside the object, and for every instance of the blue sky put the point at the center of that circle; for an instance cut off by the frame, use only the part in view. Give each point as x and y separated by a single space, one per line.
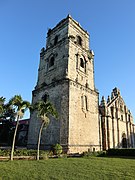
111 24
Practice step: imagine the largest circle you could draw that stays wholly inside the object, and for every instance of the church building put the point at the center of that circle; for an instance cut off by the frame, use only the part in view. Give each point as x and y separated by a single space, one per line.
118 130
66 79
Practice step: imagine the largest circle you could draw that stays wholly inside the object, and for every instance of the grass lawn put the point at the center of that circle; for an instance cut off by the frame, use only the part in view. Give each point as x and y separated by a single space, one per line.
69 168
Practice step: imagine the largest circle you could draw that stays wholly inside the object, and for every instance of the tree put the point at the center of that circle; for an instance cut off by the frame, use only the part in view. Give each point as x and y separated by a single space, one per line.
2 101
20 107
7 112
7 116
45 110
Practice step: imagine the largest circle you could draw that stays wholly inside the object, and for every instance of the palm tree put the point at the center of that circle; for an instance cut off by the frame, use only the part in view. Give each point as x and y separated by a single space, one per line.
20 107
7 112
45 109
2 101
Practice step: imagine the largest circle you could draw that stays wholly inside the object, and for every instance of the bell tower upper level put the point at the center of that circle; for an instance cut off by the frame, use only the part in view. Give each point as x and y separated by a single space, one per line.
80 63
67 55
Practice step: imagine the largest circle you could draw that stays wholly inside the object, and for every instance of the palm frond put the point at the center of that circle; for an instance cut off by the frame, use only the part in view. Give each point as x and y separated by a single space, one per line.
1 109
25 105
20 104
16 101
45 109
2 100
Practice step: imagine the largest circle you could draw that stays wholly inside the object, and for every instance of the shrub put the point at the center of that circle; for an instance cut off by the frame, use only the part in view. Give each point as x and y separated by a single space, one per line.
57 149
44 154
121 152
24 152
94 154
5 152
102 154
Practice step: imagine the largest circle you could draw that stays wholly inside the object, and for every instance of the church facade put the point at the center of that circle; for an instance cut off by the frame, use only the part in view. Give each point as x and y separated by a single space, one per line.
66 79
118 129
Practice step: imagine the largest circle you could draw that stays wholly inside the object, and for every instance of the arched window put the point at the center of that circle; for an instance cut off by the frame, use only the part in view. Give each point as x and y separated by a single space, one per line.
55 40
82 63
121 108
124 141
51 62
79 40
45 98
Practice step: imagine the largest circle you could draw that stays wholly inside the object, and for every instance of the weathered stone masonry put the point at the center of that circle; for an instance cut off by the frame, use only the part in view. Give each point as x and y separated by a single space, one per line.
117 122
66 78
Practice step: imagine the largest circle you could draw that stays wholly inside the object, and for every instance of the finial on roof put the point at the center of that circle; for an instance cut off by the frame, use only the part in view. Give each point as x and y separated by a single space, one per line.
112 95
69 16
108 99
103 101
116 91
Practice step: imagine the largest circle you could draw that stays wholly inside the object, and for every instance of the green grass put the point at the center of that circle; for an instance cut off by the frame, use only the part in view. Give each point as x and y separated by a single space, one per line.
69 168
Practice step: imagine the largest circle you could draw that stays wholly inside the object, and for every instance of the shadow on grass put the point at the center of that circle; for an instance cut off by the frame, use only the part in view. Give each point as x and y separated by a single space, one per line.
3 161
121 157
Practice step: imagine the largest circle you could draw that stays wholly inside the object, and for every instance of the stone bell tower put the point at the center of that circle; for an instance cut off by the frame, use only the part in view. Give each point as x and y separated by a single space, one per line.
66 79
